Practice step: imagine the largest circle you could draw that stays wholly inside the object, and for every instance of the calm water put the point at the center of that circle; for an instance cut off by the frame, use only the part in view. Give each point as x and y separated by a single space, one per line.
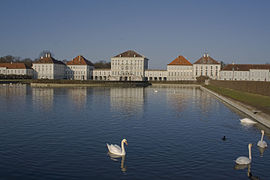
61 133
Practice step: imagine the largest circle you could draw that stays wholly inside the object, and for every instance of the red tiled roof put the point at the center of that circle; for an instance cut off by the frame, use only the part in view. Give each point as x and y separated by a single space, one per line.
14 65
129 53
245 67
206 60
48 60
80 60
180 60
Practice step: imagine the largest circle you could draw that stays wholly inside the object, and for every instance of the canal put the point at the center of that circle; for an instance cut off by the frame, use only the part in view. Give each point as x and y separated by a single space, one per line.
173 132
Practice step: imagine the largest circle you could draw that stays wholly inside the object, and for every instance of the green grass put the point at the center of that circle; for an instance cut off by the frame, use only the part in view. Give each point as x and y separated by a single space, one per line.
258 101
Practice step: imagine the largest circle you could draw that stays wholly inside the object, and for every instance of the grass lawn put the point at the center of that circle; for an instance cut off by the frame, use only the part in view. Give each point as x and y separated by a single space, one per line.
258 101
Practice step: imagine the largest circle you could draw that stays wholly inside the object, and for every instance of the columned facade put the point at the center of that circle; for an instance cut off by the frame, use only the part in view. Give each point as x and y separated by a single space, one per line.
128 66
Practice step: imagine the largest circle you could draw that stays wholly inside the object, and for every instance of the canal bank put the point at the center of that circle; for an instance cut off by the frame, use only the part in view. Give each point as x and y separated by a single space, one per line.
89 84
254 113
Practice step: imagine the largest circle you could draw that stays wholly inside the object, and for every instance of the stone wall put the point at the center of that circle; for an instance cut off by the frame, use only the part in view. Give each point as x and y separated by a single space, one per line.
257 87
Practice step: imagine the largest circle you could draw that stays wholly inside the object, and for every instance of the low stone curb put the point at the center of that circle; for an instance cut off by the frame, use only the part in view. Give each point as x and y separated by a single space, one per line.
250 111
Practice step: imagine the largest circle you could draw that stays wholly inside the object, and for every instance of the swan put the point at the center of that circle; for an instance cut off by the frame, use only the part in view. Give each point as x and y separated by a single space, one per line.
155 91
262 143
115 149
247 121
244 160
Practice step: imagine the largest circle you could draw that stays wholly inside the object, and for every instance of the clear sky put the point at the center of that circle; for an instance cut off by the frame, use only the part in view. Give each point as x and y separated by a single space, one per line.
230 30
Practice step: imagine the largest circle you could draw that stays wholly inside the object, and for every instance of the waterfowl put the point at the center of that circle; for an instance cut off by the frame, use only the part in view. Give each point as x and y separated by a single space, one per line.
244 160
247 121
115 149
262 143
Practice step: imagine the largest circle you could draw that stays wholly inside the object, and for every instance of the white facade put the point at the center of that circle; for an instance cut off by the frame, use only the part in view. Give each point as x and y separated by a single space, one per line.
128 66
156 75
206 66
210 70
79 69
49 68
246 72
259 75
180 73
5 71
49 71
15 69
79 72
102 74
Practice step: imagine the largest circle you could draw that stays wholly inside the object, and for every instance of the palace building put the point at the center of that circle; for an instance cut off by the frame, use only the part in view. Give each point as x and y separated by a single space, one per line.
15 69
128 66
180 69
246 72
206 66
79 68
49 68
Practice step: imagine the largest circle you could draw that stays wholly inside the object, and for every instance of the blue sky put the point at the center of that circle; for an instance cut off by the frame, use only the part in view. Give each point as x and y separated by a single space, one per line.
230 30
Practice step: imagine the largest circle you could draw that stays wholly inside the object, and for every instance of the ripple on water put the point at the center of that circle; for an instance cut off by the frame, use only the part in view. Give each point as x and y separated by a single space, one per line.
173 134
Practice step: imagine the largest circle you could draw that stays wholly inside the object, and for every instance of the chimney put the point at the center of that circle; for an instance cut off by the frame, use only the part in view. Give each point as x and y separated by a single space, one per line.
207 55
204 55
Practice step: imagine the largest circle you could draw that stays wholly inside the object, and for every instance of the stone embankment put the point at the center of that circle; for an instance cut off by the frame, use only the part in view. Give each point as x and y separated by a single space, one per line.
250 111
89 84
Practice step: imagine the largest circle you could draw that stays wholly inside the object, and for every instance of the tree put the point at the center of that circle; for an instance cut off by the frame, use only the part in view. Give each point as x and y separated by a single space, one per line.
8 58
102 65
27 61
201 79
222 64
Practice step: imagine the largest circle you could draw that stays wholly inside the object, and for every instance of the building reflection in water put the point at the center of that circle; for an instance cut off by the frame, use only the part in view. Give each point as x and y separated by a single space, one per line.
13 90
184 97
178 97
13 96
127 100
42 98
78 96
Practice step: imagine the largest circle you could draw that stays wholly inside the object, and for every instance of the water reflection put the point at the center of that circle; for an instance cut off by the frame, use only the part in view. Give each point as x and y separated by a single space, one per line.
249 174
13 90
78 96
261 150
116 158
177 96
128 100
43 98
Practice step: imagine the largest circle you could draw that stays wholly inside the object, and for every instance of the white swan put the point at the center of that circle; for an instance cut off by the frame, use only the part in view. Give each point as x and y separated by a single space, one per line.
243 159
262 143
155 91
115 149
247 121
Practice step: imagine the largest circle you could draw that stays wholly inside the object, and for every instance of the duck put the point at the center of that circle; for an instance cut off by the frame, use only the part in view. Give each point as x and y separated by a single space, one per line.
242 160
224 138
262 143
116 150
